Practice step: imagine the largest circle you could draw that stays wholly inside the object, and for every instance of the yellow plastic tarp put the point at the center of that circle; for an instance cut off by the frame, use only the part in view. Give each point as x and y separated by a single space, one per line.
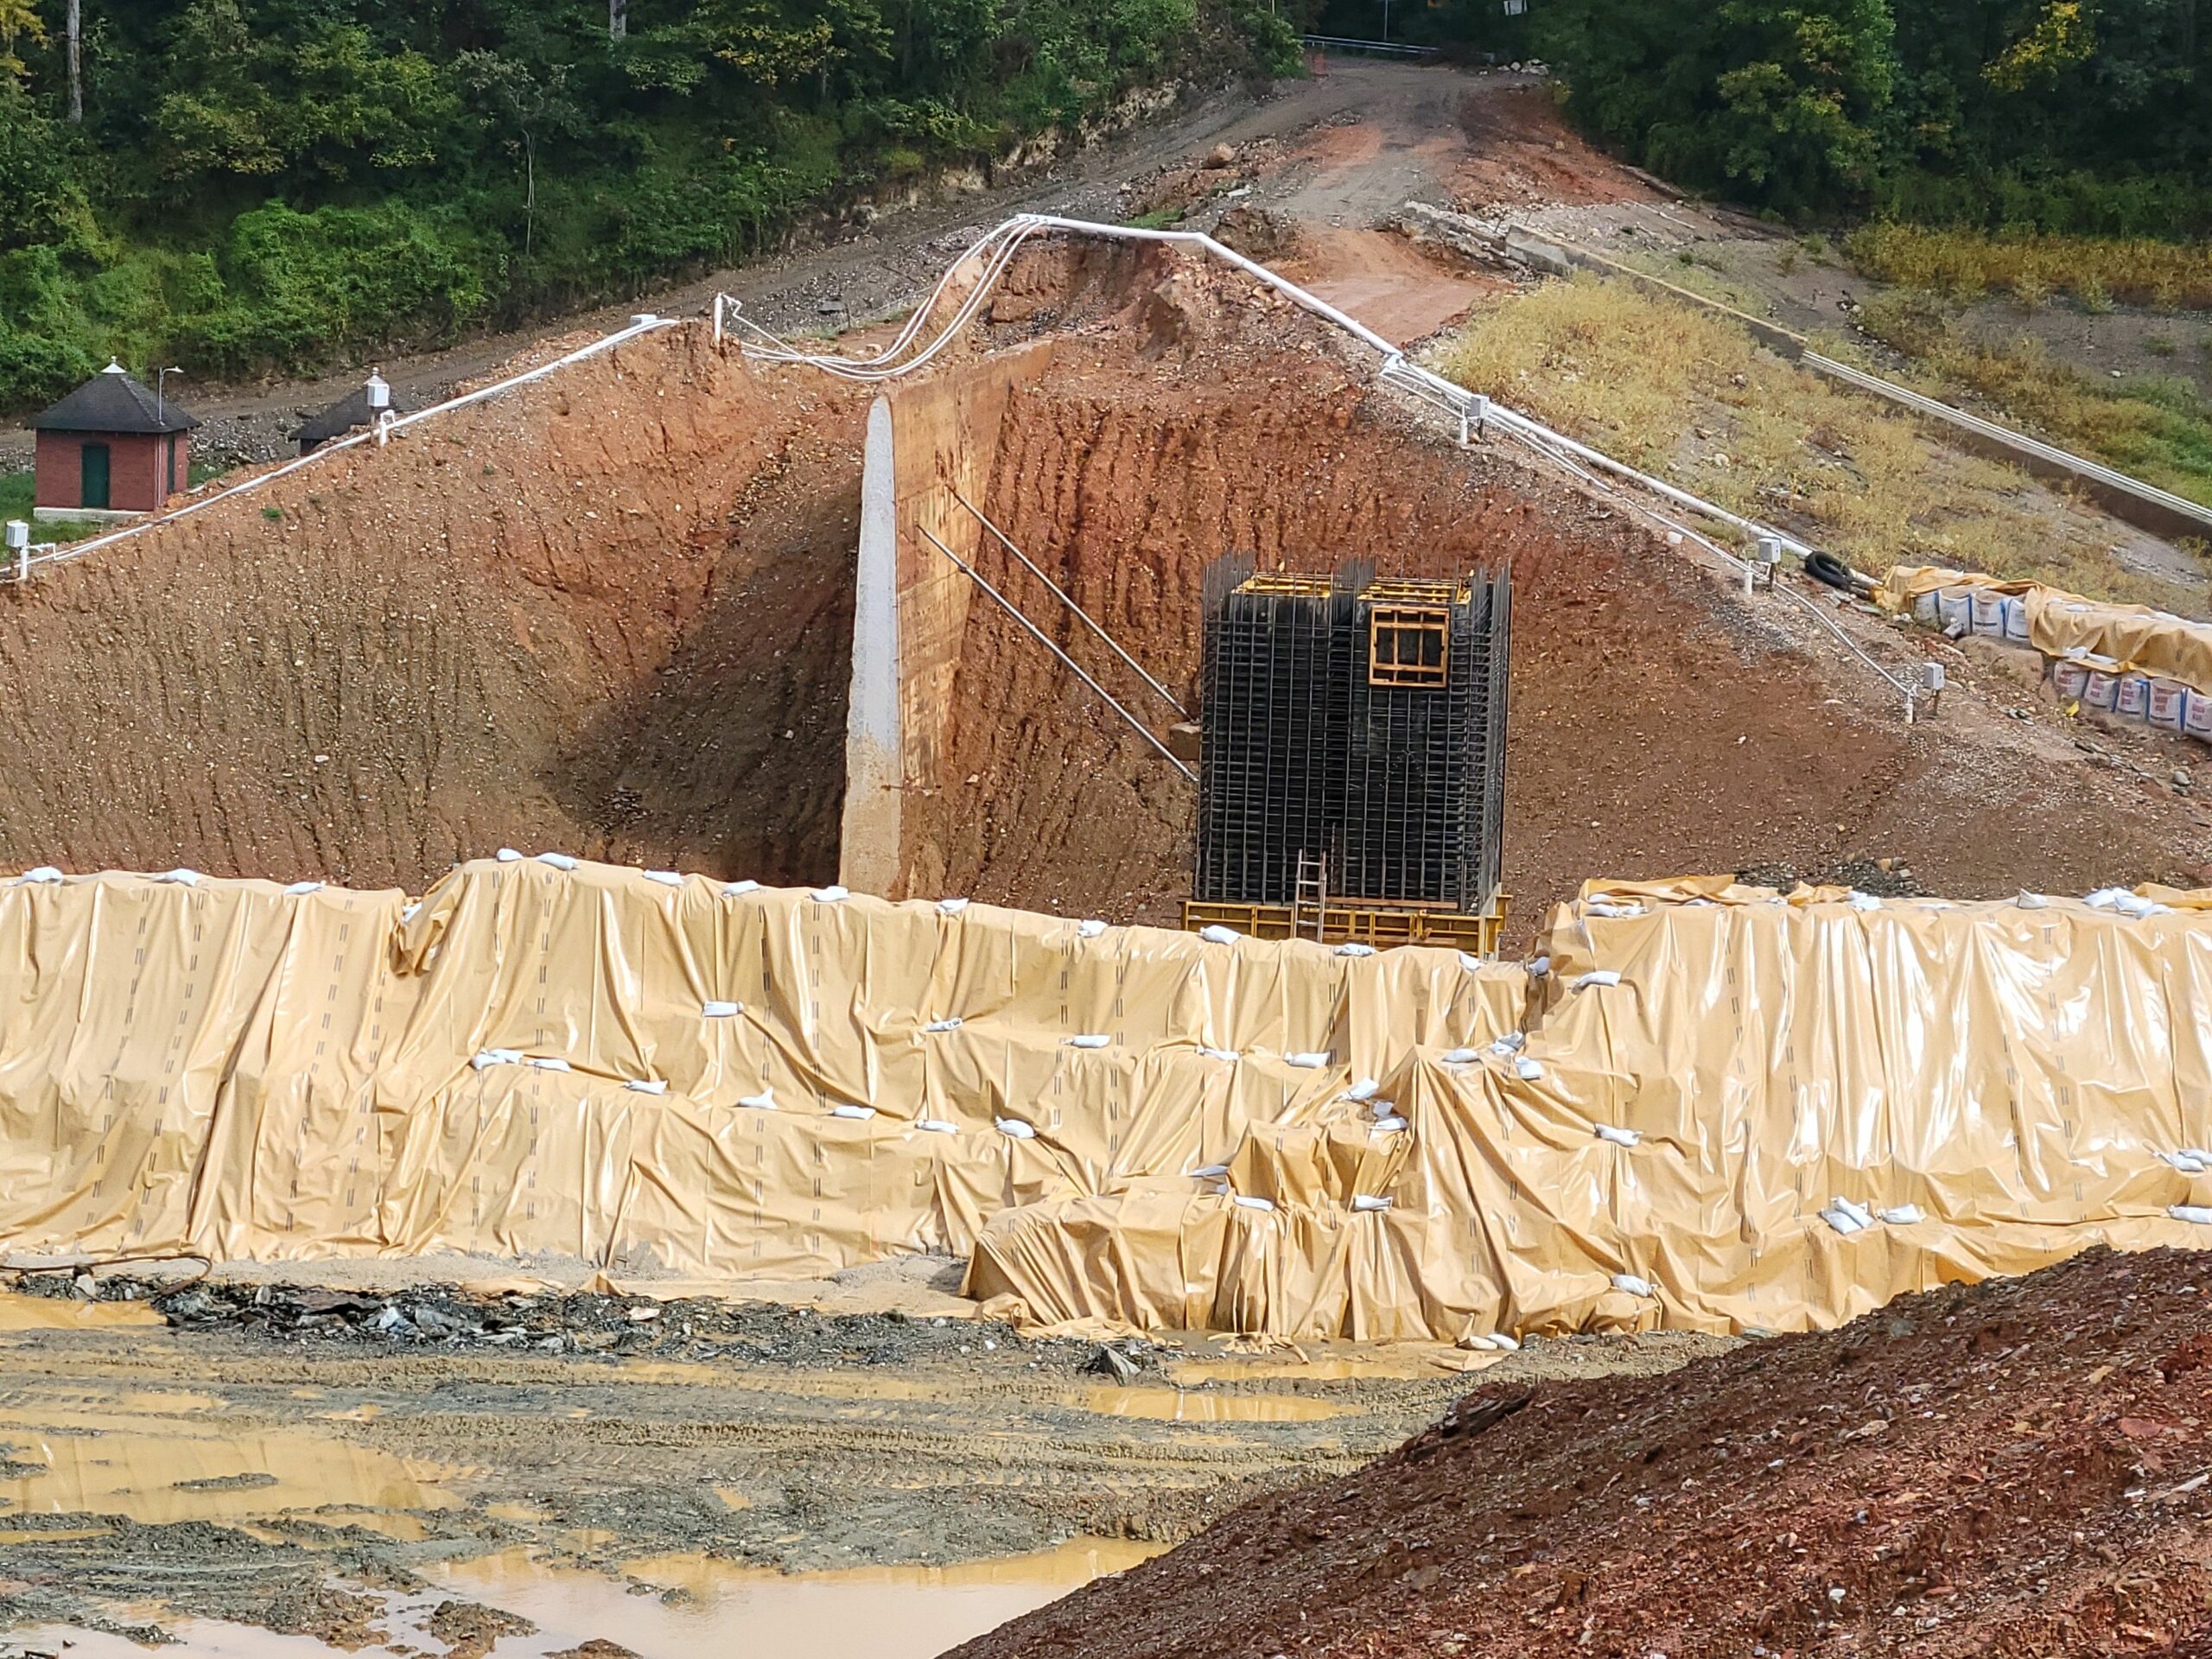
666 1077
2060 622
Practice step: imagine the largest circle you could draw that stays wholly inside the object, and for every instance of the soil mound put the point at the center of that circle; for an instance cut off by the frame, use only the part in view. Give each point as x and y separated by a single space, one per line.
2018 1468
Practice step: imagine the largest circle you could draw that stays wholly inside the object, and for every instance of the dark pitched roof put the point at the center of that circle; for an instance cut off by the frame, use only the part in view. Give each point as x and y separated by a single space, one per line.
113 401
342 416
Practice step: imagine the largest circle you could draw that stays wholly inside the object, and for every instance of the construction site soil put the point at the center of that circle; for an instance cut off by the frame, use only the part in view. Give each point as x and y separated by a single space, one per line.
294 1456
2019 1468
611 614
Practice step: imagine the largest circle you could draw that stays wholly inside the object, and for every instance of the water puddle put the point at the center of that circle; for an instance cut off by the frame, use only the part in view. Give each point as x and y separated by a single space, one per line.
21 1313
681 1607
177 1474
895 1612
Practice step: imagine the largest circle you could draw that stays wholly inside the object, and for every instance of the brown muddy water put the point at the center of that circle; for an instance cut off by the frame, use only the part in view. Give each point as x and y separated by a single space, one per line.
817 1485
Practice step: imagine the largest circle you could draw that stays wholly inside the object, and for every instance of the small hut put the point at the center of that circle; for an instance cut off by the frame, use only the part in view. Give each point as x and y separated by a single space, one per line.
111 448
358 408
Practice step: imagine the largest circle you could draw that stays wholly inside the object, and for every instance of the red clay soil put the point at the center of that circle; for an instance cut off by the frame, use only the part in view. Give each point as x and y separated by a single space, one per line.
2018 1469
608 615
1655 728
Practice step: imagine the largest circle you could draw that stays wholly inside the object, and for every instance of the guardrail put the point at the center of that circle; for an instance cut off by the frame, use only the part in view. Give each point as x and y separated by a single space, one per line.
1386 48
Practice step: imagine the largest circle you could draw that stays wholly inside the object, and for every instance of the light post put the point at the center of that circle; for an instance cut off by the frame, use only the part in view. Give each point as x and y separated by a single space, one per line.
160 384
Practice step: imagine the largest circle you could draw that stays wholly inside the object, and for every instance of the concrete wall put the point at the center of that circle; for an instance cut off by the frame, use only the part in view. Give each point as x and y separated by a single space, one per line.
925 442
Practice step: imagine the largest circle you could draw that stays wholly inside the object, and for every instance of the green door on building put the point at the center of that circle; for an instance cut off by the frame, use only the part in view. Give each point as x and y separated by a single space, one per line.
94 479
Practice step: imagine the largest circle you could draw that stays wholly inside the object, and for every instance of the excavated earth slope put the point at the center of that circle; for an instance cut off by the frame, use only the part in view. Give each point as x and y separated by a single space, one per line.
609 613
2018 1469
1658 724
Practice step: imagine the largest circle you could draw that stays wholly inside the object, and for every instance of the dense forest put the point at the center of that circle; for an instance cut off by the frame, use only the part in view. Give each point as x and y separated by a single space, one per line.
239 185
2066 116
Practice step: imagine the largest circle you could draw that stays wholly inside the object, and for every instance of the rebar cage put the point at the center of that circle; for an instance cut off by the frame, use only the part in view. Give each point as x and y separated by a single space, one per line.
1357 723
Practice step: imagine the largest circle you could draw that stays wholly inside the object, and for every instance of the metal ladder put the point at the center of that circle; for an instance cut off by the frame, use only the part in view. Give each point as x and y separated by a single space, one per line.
1311 889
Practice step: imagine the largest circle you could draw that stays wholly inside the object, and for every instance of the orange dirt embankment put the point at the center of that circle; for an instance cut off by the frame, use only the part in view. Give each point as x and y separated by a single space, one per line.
2018 1468
609 613
1655 728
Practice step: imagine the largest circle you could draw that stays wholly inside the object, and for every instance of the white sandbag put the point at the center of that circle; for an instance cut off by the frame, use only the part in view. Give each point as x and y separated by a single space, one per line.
486 1057
1539 967
1955 609
1388 1126
1308 1062
1595 978
763 1101
2068 674
1619 1137
2197 1213
1471 963
666 878
1511 1043
2016 620
1509 1344
300 889
1925 609
857 1114
647 1085
1904 1215
1987 612
548 1062
1858 900
45 875
1090 1040
1858 1212
1217 934
951 906
1363 1089
2132 700
739 889
719 1010
1090 929
2100 690
2032 900
935 1126
1016 1128
1602 907
951 1022
1842 1220
1458 1057
508 855
1208 1172
832 894
1528 1070
1219 1053
2197 718
407 911
180 877
1629 1284
2187 1163
1245 1201
1382 1108
2168 709
558 861
1354 948
1367 1203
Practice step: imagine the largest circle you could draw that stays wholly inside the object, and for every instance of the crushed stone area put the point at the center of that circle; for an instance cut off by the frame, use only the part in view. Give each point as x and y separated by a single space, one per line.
2016 1468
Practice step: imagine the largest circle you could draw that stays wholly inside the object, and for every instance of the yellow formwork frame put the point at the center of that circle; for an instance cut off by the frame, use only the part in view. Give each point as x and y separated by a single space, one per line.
1380 925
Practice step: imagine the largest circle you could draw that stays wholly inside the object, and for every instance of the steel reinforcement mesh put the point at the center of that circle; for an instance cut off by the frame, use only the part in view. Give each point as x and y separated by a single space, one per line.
1400 786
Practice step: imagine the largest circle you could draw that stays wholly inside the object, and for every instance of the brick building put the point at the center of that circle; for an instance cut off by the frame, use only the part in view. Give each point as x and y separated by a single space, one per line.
111 448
